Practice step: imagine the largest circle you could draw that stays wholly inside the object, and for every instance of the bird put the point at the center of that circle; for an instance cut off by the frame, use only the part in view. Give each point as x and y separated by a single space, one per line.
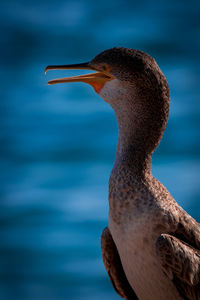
151 246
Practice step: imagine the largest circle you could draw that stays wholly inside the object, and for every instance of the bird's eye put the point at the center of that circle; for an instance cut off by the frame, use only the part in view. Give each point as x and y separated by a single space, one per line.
104 67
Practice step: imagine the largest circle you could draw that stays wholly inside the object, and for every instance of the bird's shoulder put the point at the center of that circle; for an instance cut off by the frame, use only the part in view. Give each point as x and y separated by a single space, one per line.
148 197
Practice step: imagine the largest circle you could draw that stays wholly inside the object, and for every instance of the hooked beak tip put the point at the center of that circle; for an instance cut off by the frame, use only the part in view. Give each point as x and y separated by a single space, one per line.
46 69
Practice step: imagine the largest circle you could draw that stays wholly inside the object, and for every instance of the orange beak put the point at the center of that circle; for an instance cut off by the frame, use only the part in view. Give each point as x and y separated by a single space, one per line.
97 80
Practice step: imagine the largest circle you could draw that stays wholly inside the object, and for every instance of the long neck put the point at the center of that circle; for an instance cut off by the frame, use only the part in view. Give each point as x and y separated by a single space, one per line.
141 123
142 111
131 146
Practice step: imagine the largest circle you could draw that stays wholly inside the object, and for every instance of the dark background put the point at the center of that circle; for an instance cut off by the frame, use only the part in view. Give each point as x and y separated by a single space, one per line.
58 142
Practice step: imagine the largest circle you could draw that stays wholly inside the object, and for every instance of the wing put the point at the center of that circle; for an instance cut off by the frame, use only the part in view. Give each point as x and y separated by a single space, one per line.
188 229
114 267
181 263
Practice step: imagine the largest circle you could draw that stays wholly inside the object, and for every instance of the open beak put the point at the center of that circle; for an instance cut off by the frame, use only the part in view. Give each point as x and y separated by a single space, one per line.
97 80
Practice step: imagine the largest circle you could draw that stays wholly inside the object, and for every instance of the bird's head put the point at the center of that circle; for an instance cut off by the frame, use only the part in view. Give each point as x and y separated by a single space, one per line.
133 84
119 72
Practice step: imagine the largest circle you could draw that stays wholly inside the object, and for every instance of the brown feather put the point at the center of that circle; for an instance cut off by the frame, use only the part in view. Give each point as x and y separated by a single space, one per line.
181 263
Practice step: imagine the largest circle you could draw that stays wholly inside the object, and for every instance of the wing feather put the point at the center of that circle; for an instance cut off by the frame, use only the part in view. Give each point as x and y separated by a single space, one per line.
181 263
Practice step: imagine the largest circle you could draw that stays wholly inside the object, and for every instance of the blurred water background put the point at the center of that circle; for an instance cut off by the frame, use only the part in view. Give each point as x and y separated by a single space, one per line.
58 142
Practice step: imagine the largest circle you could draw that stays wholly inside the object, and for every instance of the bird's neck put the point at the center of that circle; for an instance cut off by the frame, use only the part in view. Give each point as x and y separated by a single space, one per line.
142 113
140 128
131 146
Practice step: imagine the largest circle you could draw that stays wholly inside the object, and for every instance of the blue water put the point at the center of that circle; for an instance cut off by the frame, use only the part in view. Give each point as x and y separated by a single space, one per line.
58 142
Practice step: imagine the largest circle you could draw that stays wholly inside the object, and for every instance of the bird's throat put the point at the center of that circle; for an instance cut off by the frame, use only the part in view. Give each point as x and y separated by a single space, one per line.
141 116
